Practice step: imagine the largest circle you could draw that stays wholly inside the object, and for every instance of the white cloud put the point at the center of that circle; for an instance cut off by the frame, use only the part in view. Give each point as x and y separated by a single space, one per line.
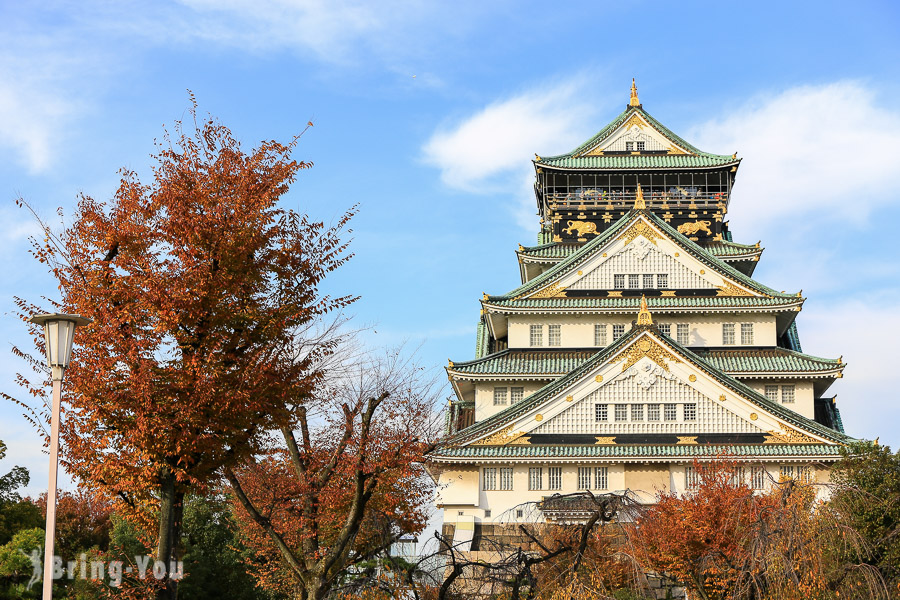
34 106
490 151
820 151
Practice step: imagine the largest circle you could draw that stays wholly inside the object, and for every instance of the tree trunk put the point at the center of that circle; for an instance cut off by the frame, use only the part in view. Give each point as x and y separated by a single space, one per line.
171 513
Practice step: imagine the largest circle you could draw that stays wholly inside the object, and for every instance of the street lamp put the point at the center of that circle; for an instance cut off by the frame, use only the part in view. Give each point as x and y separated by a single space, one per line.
59 331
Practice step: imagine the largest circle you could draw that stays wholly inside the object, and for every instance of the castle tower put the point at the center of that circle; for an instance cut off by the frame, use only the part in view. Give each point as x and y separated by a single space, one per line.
637 342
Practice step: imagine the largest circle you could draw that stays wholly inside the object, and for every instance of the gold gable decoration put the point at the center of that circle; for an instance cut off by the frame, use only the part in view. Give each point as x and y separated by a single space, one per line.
640 228
504 437
644 316
650 348
729 289
553 290
789 435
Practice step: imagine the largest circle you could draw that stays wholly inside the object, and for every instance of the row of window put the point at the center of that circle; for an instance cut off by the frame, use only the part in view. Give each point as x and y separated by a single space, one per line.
640 281
653 412
597 478
758 476
788 393
601 330
589 478
510 395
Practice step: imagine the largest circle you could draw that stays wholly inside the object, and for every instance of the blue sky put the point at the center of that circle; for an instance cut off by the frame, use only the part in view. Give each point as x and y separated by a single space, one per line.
427 114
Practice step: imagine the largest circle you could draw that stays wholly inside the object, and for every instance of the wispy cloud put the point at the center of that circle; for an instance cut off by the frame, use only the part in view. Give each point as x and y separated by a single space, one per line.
490 150
825 151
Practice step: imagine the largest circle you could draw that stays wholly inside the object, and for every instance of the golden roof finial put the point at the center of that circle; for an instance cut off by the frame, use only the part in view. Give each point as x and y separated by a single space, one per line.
644 316
639 203
634 97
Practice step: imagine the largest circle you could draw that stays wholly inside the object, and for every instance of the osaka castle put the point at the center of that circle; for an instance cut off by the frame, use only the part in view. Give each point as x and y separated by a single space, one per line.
638 341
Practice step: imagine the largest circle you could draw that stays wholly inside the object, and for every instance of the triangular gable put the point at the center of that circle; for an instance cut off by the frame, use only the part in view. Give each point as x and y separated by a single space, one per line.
645 358
636 129
641 243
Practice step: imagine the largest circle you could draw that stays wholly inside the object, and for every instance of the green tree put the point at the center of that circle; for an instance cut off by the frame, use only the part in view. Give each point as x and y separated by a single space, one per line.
867 497
17 567
214 559
16 513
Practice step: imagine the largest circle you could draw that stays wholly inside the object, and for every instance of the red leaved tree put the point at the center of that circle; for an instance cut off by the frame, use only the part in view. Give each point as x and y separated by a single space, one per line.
345 479
201 290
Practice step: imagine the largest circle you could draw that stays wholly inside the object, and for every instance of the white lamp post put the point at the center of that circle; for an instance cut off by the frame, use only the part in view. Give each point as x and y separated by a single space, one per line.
59 331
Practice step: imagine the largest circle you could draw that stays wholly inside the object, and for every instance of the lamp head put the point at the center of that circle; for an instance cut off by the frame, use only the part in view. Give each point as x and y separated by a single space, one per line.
59 332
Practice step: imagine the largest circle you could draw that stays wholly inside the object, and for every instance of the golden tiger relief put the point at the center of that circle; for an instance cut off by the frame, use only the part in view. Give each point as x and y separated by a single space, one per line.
582 227
693 228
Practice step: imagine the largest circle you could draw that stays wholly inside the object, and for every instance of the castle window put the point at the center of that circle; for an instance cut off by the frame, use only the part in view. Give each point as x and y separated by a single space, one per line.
499 396
665 328
629 146
535 478
489 479
584 478
516 394
746 333
600 334
601 478
536 337
618 331
670 412
690 412
506 478
804 474
653 412
682 333
787 471
772 392
737 476
758 478
601 412
787 394
648 281
662 280
520 513
619 282
554 337
637 412
621 412
487 513
728 334
554 476
691 478
634 281
640 146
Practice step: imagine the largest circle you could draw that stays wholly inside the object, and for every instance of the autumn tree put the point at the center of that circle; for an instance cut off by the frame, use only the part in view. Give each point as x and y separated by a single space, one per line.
201 289
344 479
723 540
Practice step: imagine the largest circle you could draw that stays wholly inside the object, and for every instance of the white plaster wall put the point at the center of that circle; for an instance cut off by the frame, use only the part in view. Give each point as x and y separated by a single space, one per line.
577 331
504 503
804 394
484 395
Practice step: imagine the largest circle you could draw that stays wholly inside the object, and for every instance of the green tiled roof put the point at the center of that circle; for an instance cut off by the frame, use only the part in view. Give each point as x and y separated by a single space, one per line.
775 359
637 450
725 249
697 158
595 245
497 420
558 251
552 250
481 340
654 303
559 362
525 362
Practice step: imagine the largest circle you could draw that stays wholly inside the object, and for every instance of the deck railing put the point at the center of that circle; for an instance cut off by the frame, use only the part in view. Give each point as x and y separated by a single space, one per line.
616 199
